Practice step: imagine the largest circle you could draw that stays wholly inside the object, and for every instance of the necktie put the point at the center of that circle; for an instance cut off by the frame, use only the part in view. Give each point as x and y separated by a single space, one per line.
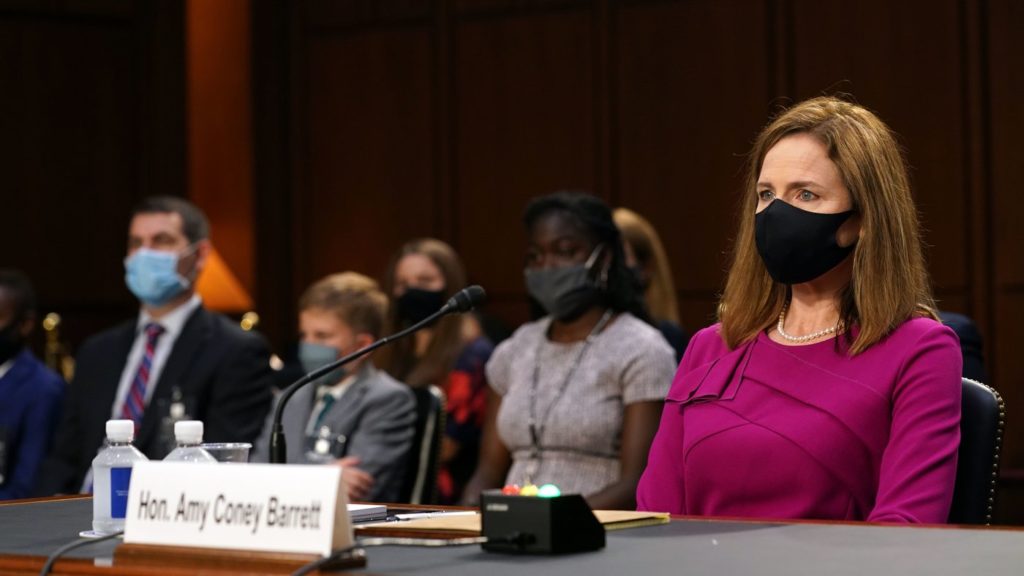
328 401
135 402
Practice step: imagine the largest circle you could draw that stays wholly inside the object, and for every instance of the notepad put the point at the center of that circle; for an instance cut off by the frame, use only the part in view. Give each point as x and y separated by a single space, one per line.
622 519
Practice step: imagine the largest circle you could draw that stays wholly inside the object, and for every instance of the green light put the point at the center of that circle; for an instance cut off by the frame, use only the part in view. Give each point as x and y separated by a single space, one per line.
549 491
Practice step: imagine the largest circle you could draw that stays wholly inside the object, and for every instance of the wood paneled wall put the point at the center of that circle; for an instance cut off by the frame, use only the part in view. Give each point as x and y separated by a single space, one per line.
404 118
92 119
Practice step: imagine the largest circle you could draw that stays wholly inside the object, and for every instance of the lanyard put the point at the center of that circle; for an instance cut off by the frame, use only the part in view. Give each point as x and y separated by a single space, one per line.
536 426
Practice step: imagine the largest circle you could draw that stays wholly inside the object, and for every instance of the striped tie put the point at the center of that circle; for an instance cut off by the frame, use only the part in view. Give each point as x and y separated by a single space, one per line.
135 402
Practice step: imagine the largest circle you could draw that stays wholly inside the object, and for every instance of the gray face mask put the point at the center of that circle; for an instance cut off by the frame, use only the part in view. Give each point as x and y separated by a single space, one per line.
565 292
314 356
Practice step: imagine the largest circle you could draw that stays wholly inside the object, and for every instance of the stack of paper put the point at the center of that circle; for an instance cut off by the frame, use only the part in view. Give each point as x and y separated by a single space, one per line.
367 512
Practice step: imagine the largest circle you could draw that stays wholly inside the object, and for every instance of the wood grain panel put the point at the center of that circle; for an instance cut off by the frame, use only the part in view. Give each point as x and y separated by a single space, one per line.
685 124
220 155
370 149
1005 118
1007 123
363 14
504 8
87 112
70 136
1009 375
524 126
274 148
903 60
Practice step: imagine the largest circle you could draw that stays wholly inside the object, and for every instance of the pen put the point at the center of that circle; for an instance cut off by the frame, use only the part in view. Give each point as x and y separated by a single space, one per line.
419 515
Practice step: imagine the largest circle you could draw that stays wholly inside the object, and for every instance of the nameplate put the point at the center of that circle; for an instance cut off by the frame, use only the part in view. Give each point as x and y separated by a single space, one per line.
273 508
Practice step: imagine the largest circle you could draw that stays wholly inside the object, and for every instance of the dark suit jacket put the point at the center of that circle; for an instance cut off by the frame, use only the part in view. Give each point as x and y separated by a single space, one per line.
377 416
222 372
970 344
30 399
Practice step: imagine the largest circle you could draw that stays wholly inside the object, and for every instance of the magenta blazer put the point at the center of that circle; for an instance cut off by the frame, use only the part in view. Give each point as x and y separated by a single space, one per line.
775 431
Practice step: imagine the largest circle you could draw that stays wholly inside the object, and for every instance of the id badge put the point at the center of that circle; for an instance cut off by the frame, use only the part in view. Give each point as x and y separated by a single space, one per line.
325 445
178 407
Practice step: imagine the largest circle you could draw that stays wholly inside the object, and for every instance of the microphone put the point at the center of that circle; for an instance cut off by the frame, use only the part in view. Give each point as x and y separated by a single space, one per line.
463 301
466 299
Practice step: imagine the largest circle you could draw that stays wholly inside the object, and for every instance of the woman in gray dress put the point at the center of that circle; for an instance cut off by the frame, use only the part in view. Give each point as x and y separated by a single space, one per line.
576 396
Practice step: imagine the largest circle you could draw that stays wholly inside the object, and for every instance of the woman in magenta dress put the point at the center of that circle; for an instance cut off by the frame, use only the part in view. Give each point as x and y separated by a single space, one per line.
828 389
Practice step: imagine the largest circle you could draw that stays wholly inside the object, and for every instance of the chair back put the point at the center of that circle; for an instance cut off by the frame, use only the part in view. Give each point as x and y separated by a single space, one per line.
982 417
420 486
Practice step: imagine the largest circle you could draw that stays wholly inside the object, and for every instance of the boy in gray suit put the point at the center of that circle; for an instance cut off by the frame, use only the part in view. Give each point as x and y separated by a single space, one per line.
357 416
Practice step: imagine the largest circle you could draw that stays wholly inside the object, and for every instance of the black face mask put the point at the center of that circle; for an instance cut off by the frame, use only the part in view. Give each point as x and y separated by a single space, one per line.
415 304
10 342
796 245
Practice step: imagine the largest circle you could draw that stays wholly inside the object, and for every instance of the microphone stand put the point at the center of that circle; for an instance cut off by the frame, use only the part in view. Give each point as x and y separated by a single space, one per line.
278 446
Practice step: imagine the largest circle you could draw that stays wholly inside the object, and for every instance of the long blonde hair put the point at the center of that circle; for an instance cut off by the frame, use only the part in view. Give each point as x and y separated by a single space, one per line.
889 282
660 294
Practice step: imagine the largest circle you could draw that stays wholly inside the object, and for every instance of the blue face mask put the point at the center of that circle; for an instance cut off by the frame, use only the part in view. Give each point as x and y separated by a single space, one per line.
152 275
314 356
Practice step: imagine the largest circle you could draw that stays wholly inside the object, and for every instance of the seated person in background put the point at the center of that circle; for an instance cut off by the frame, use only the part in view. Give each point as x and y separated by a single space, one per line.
356 416
829 389
575 395
451 354
176 360
30 393
970 345
646 259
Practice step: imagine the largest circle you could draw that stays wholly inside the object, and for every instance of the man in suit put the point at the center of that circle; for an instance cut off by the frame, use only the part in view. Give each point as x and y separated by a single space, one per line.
30 393
175 361
357 416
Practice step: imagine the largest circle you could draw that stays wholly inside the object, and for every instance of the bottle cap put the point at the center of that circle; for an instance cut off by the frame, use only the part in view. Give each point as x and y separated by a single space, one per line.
188 431
120 430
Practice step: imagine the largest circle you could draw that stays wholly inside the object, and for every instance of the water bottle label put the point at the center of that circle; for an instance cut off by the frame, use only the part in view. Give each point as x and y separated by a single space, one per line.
119 480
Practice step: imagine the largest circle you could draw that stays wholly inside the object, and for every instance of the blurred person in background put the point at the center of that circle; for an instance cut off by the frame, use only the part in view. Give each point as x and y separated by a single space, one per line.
355 416
451 354
175 360
30 393
647 260
576 395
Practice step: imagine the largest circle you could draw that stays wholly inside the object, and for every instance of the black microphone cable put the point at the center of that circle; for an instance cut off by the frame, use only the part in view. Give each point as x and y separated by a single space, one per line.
71 546
352 551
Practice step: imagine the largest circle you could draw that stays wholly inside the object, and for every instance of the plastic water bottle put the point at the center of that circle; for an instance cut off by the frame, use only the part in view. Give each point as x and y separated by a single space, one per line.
189 435
111 474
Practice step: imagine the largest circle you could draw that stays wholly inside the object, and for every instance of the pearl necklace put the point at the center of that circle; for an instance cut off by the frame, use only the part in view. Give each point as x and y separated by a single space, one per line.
805 338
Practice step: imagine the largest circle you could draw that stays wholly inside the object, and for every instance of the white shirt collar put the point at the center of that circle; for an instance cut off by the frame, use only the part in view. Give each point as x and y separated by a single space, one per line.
174 322
336 390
